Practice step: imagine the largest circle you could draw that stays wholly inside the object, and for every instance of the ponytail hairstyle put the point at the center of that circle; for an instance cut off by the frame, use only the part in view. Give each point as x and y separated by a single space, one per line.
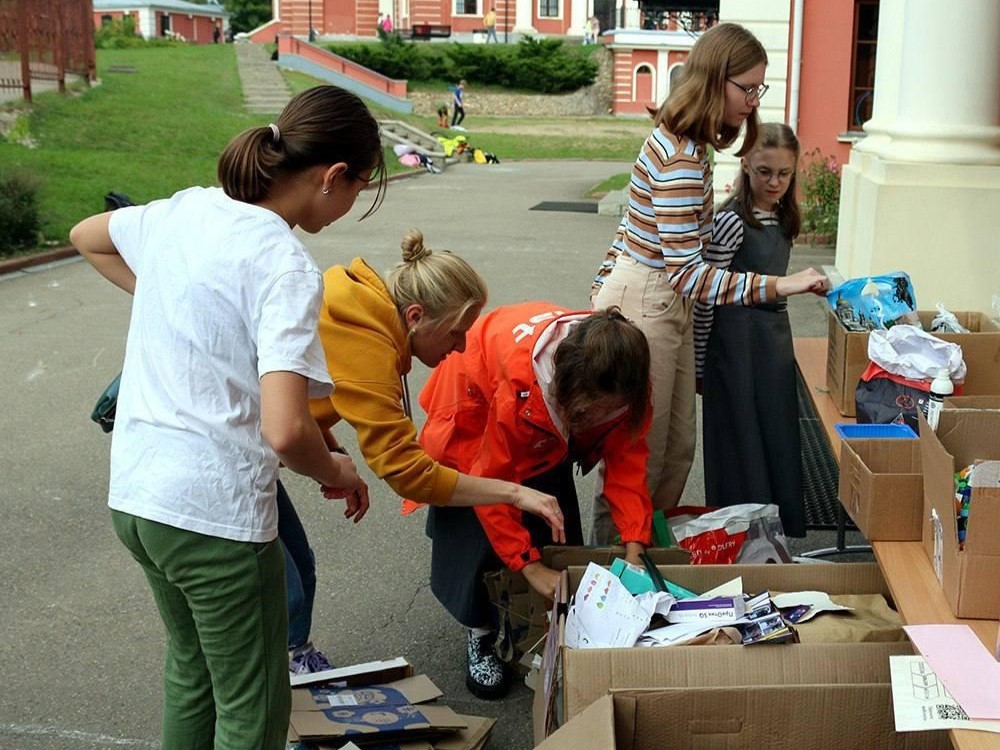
772 135
697 103
604 355
321 126
443 284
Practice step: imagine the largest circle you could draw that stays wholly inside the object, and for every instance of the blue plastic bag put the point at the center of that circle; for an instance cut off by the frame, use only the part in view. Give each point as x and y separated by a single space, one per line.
872 302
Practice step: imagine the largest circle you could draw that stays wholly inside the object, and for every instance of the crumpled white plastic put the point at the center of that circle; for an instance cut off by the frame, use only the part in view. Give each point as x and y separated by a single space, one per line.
913 353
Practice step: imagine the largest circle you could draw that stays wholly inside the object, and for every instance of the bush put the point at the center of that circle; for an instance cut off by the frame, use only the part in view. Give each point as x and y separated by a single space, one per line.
546 65
820 180
121 34
20 222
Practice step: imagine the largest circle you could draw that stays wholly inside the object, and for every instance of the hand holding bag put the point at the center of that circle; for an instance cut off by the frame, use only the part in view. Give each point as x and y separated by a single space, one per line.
107 404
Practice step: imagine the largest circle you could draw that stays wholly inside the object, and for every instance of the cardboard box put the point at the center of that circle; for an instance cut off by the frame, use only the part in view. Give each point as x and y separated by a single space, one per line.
410 690
819 717
987 403
882 488
847 356
575 678
968 577
368 725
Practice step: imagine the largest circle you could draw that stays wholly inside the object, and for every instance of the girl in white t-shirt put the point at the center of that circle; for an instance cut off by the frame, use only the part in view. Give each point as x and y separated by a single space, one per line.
221 359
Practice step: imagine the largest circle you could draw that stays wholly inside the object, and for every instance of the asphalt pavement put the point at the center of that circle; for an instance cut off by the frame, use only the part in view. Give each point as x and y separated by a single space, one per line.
82 645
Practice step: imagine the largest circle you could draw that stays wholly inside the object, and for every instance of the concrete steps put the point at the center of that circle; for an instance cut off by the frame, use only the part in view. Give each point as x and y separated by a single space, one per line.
264 88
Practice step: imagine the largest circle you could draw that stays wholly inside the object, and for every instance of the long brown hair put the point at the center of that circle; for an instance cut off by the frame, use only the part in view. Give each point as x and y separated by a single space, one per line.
772 135
323 125
604 355
697 103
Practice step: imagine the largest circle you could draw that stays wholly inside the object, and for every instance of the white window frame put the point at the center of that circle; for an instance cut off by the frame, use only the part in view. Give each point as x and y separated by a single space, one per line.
557 17
635 79
479 9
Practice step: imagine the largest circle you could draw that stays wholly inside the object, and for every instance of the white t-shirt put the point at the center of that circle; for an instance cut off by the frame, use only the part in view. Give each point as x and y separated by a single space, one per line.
224 294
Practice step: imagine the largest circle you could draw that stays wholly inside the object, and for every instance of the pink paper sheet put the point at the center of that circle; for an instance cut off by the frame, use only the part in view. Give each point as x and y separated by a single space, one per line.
961 661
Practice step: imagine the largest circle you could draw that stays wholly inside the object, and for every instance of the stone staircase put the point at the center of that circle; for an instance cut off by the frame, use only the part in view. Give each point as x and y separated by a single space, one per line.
264 88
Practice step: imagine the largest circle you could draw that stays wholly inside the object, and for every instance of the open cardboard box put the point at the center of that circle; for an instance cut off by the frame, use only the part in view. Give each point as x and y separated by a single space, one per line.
968 576
575 678
847 356
818 717
882 488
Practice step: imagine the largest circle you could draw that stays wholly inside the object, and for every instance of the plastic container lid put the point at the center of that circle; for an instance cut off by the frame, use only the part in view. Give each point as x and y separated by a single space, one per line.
848 431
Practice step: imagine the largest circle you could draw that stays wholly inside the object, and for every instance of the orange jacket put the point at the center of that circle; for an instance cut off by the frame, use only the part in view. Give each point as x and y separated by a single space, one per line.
486 416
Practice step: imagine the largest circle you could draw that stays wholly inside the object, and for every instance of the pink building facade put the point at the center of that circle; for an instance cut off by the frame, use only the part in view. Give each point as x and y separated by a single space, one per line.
192 22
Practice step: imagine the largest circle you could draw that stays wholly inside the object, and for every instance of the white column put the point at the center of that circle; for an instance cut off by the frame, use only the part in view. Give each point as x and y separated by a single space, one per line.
948 98
523 17
922 192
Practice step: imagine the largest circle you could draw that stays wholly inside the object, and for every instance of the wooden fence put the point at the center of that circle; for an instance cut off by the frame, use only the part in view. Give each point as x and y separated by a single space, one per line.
44 40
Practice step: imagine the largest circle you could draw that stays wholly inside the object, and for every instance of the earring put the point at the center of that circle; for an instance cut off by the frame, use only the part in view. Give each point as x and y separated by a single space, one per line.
326 191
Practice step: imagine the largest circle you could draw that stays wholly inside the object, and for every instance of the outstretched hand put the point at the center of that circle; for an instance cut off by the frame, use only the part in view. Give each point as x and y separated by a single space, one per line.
808 280
546 506
349 487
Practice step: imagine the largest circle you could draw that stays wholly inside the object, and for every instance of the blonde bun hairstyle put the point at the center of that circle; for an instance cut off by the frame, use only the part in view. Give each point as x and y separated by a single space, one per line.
442 283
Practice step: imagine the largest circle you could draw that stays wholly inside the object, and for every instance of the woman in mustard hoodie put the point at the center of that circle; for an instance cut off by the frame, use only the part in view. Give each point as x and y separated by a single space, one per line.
371 329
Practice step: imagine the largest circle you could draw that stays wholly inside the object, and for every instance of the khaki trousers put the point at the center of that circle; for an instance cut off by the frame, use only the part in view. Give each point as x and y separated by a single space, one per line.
647 299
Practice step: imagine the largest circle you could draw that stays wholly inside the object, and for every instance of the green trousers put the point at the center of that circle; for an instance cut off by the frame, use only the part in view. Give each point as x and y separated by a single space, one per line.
223 605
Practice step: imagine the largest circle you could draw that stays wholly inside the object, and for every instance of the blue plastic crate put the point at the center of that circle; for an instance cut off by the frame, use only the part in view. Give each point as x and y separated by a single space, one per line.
849 431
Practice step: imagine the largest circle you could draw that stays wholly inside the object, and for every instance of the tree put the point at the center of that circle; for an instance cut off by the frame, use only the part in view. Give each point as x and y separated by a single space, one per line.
247 15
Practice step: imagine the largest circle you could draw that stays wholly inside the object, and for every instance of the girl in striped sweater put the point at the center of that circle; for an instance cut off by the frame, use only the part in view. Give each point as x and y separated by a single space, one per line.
655 269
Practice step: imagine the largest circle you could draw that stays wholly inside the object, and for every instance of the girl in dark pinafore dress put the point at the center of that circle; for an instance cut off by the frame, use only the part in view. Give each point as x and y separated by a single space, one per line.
744 354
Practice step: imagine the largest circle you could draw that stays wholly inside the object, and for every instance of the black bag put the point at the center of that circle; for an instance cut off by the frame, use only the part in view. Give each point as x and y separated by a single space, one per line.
107 405
884 401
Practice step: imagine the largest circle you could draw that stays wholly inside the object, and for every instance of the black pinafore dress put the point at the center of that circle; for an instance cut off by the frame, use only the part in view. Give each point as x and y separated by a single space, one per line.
752 448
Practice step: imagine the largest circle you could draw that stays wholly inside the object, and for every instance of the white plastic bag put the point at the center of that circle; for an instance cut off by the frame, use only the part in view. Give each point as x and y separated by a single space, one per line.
946 322
912 353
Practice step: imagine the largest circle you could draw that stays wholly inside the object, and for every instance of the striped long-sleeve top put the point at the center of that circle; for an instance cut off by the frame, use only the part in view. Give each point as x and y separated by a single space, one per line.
668 224
727 237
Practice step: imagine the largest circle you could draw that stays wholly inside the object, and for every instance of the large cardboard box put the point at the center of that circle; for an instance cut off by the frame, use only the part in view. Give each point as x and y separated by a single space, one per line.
819 717
968 576
882 488
575 678
847 356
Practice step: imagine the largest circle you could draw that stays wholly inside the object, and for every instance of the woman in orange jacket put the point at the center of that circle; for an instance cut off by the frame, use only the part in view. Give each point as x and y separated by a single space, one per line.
535 390
372 329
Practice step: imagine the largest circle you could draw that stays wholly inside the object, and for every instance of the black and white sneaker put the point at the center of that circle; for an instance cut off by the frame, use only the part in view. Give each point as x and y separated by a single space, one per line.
486 677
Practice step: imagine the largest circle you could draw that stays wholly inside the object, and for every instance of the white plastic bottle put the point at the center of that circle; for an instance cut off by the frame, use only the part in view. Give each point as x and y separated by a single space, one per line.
941 388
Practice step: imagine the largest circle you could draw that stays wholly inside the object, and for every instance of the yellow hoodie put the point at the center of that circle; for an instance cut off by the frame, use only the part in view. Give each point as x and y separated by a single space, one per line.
367 353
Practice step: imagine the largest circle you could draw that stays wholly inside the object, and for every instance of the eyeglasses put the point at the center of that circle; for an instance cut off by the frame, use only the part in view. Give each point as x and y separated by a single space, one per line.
752 92
766 175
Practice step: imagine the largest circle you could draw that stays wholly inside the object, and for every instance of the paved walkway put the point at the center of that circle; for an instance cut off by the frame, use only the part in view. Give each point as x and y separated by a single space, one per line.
264 88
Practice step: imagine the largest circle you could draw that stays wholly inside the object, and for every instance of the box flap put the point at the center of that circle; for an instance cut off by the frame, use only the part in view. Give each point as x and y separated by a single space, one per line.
802 716
368 673
593 728
560 558
471 738
409 690
589 673
369 724
842 578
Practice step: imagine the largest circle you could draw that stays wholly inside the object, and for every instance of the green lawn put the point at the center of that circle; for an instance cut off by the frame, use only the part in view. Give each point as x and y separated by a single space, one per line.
161 128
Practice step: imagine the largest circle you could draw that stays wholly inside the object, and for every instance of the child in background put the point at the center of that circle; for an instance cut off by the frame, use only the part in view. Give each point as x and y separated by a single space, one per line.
458 104
221 359
751 414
